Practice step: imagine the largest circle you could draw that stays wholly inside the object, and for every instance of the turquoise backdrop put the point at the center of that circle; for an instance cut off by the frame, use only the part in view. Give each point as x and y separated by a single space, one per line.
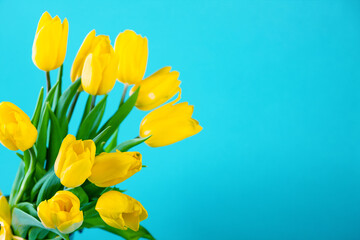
276 86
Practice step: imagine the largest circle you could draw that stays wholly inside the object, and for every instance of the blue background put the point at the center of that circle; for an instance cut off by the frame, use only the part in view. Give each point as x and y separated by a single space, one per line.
275 85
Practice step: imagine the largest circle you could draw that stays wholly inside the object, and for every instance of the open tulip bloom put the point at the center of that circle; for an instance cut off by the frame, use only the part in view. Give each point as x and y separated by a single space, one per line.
67 182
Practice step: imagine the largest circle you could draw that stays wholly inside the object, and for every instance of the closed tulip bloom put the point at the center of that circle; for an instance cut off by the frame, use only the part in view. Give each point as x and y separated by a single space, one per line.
131 51
16 129
98 74
157 89
49 48
74 161
88 46
110 169
61 212
120 211
169 124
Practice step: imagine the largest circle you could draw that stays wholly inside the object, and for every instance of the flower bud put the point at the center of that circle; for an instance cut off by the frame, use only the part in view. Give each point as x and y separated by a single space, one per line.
98 74
110 169
120 211
74 161
61 212
49 48
131 51
157 89
169 124
16 129
88 46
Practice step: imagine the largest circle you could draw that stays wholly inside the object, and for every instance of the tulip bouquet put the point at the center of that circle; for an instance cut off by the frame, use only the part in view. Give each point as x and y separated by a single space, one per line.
68 182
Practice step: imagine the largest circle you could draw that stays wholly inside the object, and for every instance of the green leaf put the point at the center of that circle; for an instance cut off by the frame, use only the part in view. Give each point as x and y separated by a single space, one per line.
90 125
35 190
92 190
17 182
58 89
36 233
125 146
56 137
80 193
93 220
42 137
36 115
64 103
22 221
50 186
27 207
119 115
100 137
87 107
113 141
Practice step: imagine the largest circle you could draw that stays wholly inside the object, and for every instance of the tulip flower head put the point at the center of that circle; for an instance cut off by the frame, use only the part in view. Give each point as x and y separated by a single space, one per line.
169 124
98 74
131 51
16 129
157 89
110 169
74 161
120 211
88 46
61 212
49 48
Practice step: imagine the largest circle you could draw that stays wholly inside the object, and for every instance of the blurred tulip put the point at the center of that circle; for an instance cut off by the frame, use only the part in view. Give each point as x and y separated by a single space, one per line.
49 48
61 212
98 74
16 129
74 161
110 169
120 211
157 89
169 124
5 213
5 230
131 51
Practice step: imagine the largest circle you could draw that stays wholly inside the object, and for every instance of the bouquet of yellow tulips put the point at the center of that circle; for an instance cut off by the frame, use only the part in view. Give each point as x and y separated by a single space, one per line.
67 182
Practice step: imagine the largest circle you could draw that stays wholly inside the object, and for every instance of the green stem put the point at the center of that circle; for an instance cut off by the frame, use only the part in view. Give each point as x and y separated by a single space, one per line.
93 101
28 176
73 106
48 82
126 86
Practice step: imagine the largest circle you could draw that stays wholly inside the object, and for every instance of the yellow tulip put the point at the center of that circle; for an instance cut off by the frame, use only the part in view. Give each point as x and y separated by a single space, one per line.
131 51
88 46
5 213
61 212
74 161
49 48
98 74
169 124
157 89
120 211
5 230
112 168
16 129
